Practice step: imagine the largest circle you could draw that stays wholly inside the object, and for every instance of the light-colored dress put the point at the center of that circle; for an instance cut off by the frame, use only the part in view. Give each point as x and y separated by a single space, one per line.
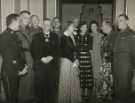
96 54
96 60
69 86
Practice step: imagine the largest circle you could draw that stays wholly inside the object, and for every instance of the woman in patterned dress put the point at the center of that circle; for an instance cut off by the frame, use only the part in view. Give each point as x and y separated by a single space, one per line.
85 63
96 54
69 85
106 82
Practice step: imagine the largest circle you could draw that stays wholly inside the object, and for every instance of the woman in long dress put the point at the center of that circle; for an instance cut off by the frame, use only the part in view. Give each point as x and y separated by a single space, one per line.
96 54
106 87
26 89
69 85
85 62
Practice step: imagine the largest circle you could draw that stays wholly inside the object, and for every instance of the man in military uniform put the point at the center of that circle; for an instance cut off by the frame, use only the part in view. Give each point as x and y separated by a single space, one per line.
13 62
123 60
44 49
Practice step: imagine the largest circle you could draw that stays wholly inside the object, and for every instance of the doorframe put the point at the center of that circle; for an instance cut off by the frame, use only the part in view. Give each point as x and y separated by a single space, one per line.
60 4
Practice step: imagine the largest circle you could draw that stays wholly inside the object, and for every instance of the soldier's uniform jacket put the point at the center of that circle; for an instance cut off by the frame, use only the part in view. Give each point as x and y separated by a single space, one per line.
11 50
124 61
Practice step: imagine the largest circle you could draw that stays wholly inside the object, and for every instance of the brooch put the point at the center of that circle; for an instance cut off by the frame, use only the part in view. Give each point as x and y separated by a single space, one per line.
46 38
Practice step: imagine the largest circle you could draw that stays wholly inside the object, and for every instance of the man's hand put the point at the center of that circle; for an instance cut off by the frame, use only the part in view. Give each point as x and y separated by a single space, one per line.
24 71
46 59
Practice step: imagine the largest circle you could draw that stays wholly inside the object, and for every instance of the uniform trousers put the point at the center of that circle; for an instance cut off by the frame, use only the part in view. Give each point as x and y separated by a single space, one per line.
11 87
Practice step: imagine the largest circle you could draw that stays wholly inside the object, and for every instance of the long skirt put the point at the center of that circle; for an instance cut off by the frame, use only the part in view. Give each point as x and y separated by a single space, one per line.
104 86
69 85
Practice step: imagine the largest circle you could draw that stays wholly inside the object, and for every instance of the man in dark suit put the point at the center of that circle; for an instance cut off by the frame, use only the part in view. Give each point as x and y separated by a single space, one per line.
123 60
13 62
44 50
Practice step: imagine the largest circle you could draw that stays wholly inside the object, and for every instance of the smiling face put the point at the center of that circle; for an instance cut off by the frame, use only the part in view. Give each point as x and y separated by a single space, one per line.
35 20
25 19
122 23
47 25
84 28
56 23
94 27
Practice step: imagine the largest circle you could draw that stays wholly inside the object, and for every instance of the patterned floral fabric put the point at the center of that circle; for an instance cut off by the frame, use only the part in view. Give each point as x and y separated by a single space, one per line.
104 86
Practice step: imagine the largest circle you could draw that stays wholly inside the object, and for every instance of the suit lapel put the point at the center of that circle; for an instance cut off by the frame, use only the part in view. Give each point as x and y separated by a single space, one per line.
70 43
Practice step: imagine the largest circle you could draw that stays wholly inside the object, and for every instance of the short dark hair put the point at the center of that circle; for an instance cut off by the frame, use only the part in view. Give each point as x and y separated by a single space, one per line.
82 23
93 22
10 18
25 11
125 16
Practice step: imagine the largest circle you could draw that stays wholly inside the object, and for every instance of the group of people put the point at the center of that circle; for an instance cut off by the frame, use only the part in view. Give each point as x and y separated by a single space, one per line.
66 64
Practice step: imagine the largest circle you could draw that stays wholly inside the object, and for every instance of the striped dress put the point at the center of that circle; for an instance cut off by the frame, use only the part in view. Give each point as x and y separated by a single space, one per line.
86 73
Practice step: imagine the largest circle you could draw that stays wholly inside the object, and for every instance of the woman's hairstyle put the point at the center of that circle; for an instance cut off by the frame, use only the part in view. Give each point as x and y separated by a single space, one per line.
81 24
94 22
91 23
67 24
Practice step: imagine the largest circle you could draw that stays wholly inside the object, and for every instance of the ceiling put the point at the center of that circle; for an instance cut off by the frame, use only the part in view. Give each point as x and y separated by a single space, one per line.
87 1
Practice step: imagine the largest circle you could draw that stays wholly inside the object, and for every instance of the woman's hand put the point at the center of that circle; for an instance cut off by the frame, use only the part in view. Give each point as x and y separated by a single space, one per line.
76 63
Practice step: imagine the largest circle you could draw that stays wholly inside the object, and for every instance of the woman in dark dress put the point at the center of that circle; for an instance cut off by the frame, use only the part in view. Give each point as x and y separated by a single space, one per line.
69 85
85 64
